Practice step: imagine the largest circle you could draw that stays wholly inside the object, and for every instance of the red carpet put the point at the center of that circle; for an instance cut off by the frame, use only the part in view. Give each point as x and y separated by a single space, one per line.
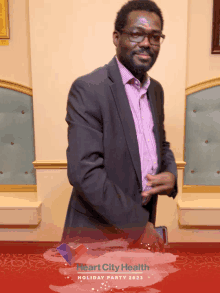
24 269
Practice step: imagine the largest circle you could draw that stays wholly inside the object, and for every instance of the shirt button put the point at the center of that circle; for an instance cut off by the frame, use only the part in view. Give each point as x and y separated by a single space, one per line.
154 162
148 140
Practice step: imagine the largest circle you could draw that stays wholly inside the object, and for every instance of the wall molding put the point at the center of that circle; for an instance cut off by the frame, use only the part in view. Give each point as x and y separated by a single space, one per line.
18 188
16 87
201 189
50 164
62 164
180 164
202 85
53 164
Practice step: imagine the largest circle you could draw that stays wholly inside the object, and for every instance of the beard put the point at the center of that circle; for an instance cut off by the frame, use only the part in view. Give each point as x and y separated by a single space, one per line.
138 70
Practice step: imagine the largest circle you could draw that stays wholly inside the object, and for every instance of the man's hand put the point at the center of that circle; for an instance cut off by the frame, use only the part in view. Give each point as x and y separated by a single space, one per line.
162 183
152 239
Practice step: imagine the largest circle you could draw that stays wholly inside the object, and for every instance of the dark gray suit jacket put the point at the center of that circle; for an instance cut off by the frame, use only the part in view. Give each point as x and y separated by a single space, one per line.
103 157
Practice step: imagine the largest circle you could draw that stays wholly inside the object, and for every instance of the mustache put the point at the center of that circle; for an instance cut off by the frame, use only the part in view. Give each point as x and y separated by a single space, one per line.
144 52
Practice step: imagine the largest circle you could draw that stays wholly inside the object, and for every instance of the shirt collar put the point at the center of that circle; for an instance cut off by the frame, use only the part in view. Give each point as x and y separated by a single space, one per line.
127 75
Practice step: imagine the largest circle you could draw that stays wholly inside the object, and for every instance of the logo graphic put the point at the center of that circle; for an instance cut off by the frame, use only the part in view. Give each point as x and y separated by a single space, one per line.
71 254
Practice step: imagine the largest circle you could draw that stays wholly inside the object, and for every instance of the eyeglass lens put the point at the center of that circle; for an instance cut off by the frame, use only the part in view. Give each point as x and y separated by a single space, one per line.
153 39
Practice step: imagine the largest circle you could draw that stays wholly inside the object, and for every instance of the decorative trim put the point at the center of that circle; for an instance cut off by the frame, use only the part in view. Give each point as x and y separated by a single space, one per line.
44 164
215 28
198 227
201 189
203 85
16 87
4 19
19 226
4 42
18 188
62 164
180 164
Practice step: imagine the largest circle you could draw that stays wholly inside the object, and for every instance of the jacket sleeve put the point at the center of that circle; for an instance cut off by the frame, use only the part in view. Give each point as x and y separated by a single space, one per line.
86 170
168 160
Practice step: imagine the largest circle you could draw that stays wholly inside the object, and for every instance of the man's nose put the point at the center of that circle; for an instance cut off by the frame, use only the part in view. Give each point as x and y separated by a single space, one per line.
145 42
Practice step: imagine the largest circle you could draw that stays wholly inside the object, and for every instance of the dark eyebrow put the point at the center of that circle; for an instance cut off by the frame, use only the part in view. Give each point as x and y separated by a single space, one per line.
140 28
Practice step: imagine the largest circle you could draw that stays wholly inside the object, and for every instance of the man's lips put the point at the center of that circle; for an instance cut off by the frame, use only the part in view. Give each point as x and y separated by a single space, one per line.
144 56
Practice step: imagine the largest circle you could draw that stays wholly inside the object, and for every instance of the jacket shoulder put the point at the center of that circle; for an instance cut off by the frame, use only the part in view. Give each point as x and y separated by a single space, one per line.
94 78
156 84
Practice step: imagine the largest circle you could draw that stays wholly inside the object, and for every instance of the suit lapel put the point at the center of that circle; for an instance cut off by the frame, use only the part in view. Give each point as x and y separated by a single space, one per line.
152 95
125 115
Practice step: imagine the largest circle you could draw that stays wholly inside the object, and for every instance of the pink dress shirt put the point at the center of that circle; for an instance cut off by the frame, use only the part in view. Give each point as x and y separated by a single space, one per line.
140 108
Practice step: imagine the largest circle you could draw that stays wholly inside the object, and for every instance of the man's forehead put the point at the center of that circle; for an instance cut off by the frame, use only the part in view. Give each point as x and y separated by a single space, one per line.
144 19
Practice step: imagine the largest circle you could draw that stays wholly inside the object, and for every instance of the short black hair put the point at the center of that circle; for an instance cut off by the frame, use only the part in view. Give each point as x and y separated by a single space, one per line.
134 5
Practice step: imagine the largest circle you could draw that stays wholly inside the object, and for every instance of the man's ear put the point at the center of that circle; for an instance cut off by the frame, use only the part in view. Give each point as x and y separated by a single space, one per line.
116 38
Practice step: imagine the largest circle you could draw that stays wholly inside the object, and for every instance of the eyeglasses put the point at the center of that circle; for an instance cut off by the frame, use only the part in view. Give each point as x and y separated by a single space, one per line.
155 39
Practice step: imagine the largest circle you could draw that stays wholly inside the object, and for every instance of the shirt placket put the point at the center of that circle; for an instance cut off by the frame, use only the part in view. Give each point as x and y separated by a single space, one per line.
151 139
148 153
140 130
134 108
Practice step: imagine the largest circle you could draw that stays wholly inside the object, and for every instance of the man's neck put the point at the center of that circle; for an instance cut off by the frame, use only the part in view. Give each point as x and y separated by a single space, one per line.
143 78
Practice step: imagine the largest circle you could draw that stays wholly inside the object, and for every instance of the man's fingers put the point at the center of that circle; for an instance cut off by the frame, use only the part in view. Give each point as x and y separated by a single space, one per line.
156 179
158 245
164 178
161 243
155 190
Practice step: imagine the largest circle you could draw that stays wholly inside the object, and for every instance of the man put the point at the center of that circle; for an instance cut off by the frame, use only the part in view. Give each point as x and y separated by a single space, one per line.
118 156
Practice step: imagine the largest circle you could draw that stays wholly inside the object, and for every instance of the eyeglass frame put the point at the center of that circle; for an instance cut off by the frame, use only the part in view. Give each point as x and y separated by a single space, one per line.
144 35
